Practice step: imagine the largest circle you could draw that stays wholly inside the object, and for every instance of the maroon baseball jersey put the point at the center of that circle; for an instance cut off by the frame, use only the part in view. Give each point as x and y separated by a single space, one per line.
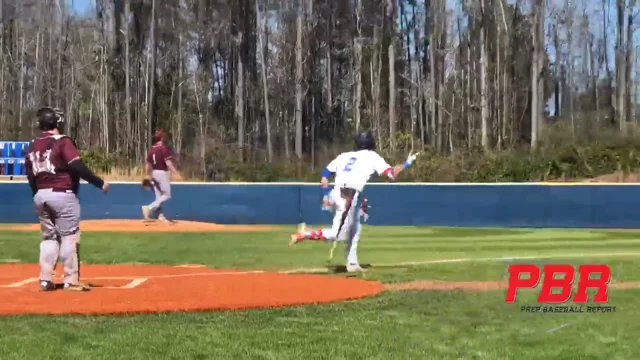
158 156
49 156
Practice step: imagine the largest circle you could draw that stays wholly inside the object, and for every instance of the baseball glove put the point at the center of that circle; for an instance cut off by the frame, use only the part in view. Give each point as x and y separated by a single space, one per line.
147 184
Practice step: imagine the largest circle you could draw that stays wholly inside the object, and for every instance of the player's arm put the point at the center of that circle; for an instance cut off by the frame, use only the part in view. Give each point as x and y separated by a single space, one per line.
30 176
171 167
383 168
72 157
147 169
169 160
147 165
331 169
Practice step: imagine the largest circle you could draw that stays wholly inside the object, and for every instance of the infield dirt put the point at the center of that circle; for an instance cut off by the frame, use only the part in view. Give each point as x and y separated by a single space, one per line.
114 225
121 289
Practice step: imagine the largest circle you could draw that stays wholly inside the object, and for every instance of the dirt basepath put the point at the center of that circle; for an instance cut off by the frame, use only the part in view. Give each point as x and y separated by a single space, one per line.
478 285
148 226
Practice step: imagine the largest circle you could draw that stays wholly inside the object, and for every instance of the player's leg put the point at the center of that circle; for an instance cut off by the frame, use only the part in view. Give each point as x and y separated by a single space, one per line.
163 192
49 243
352 243
67 209
327 234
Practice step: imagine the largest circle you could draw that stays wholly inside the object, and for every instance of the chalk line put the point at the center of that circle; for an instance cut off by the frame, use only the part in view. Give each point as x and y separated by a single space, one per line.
173 276
21 283
507 258
134 283
466 260
558 328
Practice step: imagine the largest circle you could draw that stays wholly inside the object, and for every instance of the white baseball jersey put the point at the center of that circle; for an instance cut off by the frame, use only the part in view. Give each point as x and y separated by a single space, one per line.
354 169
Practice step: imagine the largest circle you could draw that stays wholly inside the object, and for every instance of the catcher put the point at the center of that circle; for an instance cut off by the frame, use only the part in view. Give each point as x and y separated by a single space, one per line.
159 162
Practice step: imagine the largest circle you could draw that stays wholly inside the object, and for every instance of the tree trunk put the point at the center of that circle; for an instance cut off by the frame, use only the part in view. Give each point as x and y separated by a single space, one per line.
177 138
557 78
358 74
127 75
240 100
629 55
433 79
59 67
299 95
484 84
537 104
152 73
392 72
265 85
22 80
621 68
376 72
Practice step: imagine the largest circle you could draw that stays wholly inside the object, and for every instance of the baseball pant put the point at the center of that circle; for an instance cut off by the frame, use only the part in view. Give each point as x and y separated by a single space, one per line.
59 216
346 224
162 189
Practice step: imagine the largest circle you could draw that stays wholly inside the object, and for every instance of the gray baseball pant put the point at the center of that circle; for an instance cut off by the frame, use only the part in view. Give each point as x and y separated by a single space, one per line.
162 188
59 216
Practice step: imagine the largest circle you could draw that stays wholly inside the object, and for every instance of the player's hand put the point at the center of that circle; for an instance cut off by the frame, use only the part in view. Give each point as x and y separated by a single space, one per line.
105 188
412 157
326 204
177 176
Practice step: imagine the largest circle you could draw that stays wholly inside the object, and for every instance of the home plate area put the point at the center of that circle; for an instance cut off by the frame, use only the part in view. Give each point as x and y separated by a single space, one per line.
121 289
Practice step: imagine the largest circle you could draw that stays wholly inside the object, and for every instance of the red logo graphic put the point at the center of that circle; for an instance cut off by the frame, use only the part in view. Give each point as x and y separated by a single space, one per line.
550 282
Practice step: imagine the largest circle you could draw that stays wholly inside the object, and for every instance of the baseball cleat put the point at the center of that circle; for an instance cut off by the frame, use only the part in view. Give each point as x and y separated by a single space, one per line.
299 234
354 268
146 212
76 287
163 219
47 285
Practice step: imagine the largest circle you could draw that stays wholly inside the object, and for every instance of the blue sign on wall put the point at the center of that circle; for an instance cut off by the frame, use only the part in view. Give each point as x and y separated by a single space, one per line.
12 157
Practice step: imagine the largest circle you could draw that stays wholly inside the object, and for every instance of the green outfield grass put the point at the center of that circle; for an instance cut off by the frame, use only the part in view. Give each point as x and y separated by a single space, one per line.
402 325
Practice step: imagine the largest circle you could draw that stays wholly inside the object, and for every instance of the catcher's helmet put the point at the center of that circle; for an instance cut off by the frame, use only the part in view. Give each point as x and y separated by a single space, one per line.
50 118
365 141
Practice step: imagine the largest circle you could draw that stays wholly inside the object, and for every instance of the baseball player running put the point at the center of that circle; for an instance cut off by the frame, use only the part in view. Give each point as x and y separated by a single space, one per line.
159 163
353 170
54 169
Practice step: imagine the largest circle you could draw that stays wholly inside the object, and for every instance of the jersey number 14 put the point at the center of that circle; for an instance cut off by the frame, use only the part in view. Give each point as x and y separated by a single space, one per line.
41 162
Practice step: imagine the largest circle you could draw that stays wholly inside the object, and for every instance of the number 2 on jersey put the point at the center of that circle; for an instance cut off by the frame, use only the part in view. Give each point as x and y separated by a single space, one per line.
350 163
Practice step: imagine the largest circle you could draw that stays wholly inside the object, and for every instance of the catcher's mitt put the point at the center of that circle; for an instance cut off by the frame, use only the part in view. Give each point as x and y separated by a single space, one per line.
147 184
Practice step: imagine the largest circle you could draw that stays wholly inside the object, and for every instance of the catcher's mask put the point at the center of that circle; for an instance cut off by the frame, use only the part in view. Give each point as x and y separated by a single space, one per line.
50 118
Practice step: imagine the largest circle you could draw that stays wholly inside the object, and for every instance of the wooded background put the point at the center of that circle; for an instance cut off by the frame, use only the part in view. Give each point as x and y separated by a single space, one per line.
266 85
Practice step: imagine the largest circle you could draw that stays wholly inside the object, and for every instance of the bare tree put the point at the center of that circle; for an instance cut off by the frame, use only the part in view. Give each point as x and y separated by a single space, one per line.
537 103
484 84
265 89
391 16
299 92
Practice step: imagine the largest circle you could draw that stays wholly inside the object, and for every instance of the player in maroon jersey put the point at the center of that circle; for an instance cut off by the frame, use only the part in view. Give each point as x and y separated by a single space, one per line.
159 162
54 169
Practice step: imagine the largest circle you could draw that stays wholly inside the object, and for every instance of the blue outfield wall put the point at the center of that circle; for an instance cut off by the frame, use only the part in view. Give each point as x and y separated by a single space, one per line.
500 205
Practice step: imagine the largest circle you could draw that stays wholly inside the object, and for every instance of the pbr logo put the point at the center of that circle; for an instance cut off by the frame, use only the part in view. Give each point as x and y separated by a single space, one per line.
550 281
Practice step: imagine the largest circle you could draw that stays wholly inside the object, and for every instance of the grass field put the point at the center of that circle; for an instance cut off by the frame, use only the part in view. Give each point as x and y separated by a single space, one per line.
395 324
